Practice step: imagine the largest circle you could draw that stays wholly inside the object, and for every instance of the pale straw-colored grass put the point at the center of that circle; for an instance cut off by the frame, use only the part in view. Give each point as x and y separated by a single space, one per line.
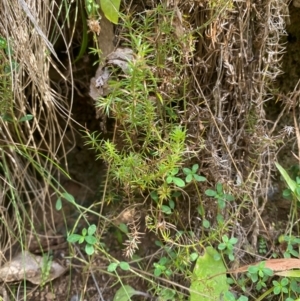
32 150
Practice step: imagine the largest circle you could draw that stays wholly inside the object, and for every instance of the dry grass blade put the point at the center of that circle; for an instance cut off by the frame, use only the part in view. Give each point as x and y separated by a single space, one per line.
33 19
35 120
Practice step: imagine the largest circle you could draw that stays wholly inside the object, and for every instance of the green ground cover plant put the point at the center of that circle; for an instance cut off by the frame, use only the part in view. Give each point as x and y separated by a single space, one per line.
188 151
86 236
147 154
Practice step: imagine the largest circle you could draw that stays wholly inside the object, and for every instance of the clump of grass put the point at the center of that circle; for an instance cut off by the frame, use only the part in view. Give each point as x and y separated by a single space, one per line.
29 111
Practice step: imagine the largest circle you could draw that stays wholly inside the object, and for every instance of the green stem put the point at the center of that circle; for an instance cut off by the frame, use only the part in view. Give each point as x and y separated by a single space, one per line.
84 35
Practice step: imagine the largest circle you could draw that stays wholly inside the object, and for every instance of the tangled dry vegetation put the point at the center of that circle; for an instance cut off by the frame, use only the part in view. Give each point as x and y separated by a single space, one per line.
220 80
236 63
31 149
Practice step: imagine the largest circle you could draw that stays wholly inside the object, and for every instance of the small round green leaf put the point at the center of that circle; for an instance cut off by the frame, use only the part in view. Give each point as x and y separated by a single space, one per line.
166 209
69 197
206 224
123 227
193 256
199 178
221 203
112 267
221 246
154 195
175 171
73 238
58 204
186 171
169 179
219 188
125 293
189 178
92 229
124 266
176 194
225 238
178 182
253 269
172 204
276 290
284 281
89 249
210 192
91 239
195 168
220 218
229 296
157 272
268 272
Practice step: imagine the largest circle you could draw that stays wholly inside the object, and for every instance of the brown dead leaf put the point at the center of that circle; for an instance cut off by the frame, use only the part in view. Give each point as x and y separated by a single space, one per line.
29 266
128 215
119 58
281 264
94 26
